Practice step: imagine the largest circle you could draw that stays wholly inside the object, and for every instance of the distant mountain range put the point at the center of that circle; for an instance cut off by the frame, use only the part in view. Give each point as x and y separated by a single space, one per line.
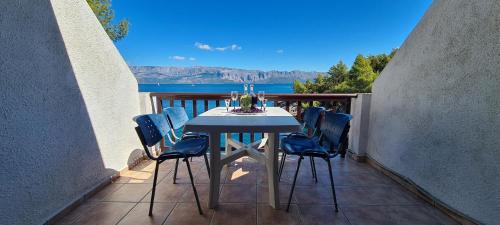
215 75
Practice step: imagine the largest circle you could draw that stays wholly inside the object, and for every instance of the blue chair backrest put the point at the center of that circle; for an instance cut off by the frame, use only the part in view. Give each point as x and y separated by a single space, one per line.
177 116
153 128
335 127
311 116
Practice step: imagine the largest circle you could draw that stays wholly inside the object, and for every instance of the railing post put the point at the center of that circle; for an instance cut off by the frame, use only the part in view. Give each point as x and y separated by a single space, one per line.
195 111
159 110
299 110
348 106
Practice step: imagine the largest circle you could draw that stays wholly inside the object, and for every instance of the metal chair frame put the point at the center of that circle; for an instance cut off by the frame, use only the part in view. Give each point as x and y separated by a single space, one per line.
307 124
177 122
158 160
325 154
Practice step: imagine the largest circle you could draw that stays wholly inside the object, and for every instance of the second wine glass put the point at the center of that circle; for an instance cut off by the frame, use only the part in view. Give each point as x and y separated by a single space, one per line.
261 95
234 97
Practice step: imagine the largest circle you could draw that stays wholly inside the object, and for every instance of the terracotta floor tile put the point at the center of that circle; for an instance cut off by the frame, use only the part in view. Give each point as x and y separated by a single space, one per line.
203 192
202 176
263 193
266 215
322 215
129 193
187 214
354 196
365 196
78 212
377 195
238 193
103 213
241 176
369 215
305 178
139 214
417 215
168 192
99 196
235 214
313 195
139 177
182 173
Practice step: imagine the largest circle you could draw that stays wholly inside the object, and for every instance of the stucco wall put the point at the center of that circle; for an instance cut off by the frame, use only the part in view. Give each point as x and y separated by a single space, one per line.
67 98
435 110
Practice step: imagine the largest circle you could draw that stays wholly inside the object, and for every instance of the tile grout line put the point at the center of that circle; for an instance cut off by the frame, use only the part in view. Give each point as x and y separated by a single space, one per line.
126 214
170 213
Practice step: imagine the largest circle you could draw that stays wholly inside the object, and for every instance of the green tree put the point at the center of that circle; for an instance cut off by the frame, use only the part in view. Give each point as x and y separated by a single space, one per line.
362 75
103 11
309 86
340 79
378 62
338 73
298 87
320 84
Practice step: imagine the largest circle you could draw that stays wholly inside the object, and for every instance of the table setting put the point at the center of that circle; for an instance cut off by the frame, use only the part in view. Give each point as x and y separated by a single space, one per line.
246 117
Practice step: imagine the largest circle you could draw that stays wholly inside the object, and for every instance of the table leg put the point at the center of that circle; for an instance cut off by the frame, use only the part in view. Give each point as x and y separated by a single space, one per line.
215 168
272 169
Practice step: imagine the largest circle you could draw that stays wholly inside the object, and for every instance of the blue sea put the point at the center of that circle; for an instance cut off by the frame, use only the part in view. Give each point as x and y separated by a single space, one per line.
213 88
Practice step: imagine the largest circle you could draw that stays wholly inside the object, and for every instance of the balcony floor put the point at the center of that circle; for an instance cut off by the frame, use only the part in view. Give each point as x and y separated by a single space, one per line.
365 197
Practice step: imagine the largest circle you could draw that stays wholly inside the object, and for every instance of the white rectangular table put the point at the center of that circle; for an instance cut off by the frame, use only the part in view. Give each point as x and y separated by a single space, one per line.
216 121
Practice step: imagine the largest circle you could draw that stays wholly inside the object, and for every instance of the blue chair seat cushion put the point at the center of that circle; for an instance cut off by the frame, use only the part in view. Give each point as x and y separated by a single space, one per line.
191 147
303 146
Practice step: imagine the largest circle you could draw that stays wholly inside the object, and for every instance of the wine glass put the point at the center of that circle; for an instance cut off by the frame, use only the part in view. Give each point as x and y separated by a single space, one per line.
261 95
264 103
234 97
227 101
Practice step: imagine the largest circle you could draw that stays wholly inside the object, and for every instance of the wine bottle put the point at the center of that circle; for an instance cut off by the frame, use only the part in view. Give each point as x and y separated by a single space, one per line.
254 97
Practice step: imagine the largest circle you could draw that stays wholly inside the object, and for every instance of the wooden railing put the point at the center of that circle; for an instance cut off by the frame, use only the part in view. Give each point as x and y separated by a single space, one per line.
294 103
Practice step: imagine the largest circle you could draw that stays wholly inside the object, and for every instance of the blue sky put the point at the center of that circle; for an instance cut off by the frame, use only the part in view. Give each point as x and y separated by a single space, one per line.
267 35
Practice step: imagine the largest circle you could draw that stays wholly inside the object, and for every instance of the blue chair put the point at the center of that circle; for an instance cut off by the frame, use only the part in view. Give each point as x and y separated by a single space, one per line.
334 129
177 118
311 118
151 130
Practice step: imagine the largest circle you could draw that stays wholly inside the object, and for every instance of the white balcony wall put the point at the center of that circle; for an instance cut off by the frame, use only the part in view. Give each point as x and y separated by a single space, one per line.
435 109
67 100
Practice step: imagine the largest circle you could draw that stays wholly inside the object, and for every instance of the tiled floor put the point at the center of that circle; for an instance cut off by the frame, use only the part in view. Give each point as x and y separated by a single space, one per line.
365 197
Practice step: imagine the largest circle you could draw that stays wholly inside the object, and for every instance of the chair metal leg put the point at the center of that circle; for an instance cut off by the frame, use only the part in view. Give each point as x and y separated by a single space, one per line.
311 161
333 185
194 188
175 170
293 184
207 164
282 165
314 170
154 189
